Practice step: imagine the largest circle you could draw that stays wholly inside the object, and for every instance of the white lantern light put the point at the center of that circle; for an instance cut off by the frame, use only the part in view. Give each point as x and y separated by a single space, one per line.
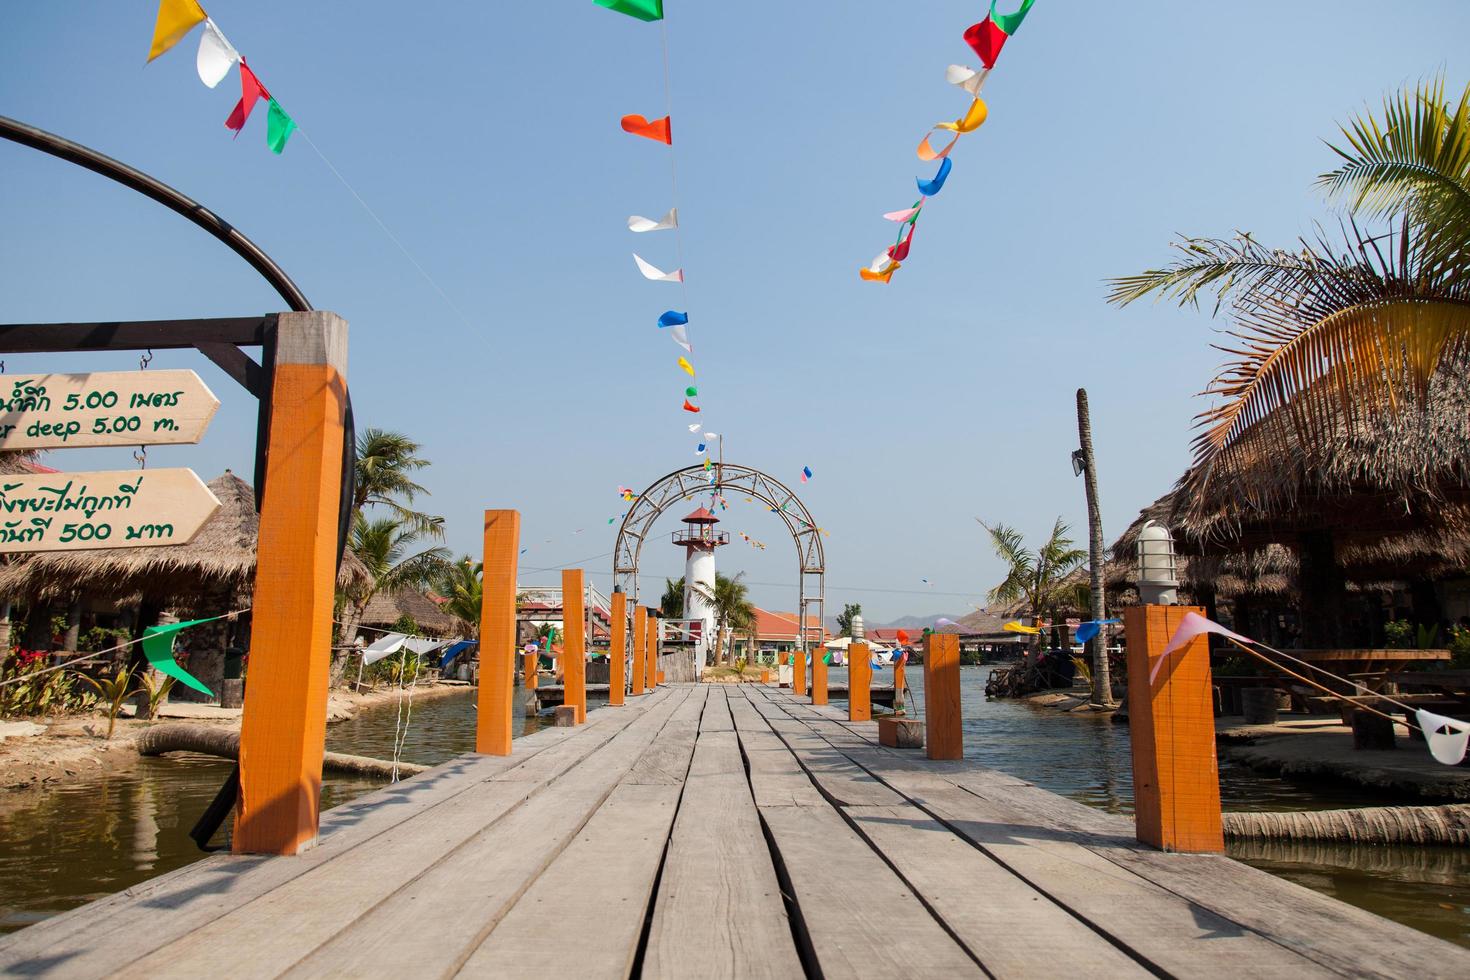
1158 581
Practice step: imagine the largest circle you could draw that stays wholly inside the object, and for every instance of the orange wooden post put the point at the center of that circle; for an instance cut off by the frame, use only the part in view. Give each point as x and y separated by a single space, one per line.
617 650
1171 724
859 683
640 647
650 676
819 676
942 736
529 668
574 642
498 632
898 683
284 728
798 673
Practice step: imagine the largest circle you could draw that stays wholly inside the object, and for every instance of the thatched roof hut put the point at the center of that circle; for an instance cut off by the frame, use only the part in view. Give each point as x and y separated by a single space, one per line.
386 608
220 558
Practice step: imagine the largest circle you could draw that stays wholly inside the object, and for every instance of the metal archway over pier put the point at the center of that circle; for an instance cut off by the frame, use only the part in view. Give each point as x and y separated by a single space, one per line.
687 484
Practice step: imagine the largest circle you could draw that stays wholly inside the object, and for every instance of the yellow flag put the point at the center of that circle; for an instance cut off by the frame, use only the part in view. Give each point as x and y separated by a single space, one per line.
688 368
1015 626
175 19
972 120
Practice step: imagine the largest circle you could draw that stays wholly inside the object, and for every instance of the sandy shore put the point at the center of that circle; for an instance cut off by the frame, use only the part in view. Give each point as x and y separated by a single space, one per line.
73 747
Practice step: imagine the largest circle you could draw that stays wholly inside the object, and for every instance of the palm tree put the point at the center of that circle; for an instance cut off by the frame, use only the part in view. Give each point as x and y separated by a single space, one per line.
1037 579
385 546
671 606
732 606
384 462
1102 681
1333 346
460 586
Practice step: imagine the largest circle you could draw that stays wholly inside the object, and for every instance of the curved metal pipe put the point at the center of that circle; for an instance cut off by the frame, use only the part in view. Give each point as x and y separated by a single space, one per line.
83 156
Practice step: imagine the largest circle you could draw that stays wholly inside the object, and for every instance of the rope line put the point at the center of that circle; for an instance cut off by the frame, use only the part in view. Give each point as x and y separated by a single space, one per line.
113 649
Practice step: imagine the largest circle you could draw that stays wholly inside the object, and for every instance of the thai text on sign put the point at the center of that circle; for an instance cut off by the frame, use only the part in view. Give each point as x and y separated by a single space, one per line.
110 408
109 509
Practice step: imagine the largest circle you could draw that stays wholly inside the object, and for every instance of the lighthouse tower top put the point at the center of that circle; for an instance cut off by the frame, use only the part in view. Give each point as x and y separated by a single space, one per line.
699 531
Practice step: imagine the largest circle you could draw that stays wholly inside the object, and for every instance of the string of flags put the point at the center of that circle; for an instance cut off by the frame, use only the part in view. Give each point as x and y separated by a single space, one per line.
213 61
986 39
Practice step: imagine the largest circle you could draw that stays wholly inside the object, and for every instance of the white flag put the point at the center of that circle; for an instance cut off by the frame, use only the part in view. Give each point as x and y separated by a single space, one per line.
969 79
216 55
385 647
681 337
655 273
639 223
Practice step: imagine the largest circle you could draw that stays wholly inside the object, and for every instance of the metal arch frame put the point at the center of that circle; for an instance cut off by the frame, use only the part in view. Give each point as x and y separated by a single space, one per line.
686 484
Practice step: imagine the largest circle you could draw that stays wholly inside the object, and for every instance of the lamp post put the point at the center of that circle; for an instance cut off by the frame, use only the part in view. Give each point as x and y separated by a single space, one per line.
1158 569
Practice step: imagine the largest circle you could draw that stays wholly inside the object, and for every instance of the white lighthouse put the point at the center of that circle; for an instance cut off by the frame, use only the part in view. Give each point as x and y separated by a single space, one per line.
699 540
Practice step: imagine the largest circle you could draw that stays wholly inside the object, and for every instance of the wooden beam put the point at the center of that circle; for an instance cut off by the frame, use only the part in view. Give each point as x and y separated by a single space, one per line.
617 650
498 632
819 675
1171 725
42 338
237 364
943 738
859 683
530 665
640 648
283 731
650 674
574 641
798 672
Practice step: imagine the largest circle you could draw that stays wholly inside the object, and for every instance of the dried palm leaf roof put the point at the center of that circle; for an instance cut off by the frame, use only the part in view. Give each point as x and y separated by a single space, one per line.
386 608
220 557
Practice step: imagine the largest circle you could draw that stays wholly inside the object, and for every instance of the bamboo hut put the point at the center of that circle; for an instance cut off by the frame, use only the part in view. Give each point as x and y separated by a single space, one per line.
214 573
386 608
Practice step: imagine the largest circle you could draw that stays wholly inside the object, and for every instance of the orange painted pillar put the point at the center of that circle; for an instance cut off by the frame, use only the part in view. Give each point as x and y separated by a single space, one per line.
640 647
529 668
798 673
650 676
942 736
617 651
859 683
284 728
819 675
574 642
898 684
1171 725
498 632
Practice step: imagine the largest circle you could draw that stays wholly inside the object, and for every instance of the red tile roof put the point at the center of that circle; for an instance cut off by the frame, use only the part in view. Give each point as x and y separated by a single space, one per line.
778 626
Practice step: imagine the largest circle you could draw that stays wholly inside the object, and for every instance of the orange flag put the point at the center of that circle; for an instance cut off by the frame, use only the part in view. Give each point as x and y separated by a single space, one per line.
884 276
175 19
658 129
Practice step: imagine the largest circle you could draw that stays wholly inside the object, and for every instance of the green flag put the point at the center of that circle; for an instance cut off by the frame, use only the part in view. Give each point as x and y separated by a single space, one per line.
691 392
279 127
158 647
1010 23
642 9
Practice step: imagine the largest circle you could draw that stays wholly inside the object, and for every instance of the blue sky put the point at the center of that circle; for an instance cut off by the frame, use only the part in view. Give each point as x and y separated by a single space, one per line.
485 136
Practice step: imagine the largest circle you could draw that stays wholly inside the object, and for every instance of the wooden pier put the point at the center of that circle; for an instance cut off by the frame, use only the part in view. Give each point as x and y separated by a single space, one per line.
720 830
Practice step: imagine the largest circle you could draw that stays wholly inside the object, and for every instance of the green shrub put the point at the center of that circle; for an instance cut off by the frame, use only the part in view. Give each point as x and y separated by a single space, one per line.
1398 634
34 693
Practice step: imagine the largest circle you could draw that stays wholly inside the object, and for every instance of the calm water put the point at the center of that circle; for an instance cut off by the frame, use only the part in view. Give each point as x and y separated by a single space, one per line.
83 840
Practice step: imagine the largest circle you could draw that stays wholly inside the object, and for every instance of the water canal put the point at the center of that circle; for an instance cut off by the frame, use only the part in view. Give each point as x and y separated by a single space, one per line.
83 840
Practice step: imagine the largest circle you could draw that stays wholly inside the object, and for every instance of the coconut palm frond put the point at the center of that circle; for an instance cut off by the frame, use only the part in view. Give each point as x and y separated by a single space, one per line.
1415 162
1020 564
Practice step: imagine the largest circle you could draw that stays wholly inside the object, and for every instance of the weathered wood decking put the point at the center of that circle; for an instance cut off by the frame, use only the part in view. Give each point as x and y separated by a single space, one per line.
721 831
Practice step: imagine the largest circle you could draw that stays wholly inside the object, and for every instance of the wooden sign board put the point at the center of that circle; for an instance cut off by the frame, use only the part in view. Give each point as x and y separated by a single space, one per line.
110 408
108 509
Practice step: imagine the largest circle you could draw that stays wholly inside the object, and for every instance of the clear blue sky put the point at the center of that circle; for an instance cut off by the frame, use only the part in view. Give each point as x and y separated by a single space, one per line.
485 135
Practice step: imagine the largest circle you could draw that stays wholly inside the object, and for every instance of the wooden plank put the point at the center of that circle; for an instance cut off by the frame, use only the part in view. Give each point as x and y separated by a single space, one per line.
584 915
718 883
493 721
716 716
574 641
466 891
877 930
97 938
667 760
104 408
284 728
436 864
776 779
1014 929
837 775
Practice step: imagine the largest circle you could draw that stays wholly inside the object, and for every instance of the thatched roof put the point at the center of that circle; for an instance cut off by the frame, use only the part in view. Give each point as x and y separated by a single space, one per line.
386 608
221 557
1401 470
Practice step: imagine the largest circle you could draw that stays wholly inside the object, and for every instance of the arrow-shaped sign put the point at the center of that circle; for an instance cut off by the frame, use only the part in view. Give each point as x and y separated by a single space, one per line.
109 509
110 408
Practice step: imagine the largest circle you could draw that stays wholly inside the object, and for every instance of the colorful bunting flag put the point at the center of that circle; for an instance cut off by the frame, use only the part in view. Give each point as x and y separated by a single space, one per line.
691 392
907 214
1010 23
657 130
972 120
216 55
250 91
696 425
673 318
644 10
158 647
279 127
687 367
931 187
690 408
986 39
175 19
926 151
638 223
967 78
656 274
885 276
806 473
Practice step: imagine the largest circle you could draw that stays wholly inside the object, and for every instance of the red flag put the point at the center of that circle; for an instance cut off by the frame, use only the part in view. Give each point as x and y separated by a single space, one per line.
655 129
903 636
691 408
899 251
986 39
250 91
